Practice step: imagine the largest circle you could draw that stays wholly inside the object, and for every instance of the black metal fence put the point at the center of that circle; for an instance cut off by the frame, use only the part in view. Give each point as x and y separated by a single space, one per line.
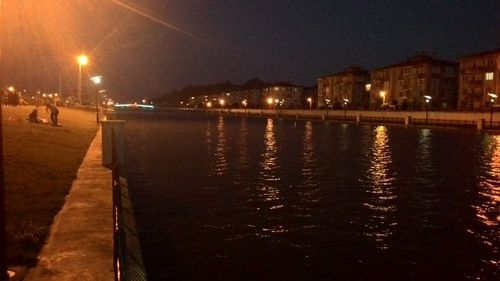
128 262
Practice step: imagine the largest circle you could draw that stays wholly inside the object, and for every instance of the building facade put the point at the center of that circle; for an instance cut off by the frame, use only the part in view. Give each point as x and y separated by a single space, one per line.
479 82
348 85
406 85
286 96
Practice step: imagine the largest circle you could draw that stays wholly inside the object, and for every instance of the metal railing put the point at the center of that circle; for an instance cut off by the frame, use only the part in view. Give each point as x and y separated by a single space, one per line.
127 261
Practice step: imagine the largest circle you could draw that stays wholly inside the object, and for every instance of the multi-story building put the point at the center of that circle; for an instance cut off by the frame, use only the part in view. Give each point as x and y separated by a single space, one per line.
251 98
348 85
282 96
479 82
406 85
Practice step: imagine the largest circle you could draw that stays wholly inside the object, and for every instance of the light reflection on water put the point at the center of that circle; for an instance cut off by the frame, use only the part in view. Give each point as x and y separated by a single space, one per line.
263 199
488 208
381 201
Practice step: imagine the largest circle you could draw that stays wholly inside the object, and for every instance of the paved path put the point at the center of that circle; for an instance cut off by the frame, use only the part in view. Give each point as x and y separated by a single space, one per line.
80 245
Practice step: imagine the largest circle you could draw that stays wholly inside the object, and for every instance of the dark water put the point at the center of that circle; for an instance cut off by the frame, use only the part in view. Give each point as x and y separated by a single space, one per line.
228 198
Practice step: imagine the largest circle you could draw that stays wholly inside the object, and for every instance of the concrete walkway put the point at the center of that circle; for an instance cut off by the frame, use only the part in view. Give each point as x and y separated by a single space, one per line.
80 245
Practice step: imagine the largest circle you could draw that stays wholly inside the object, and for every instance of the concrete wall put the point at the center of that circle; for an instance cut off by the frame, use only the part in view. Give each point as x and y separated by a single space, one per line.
352 114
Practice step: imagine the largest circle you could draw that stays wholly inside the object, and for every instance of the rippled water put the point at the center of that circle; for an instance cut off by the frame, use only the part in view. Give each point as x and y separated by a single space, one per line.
229 198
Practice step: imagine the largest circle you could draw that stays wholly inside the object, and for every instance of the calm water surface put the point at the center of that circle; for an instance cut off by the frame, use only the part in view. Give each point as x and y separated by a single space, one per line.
228 198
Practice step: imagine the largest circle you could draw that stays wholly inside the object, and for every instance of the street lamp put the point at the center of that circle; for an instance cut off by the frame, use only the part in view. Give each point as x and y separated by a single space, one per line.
382 95
97 80
82 61
222 102
427 100
346 101
310 100
270 101
492 100
327 102
245 103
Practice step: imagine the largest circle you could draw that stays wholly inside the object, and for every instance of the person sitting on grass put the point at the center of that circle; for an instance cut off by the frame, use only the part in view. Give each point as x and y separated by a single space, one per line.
33 117
53 113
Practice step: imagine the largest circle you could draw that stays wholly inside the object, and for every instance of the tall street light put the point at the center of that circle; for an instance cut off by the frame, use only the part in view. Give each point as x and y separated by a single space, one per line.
4 274
270 102
310 101
97 80
427 100
346 101
245 104
492 101
382 95
222 102
82 61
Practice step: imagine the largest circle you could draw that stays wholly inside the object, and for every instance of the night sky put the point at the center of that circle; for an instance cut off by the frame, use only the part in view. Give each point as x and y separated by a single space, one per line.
145 48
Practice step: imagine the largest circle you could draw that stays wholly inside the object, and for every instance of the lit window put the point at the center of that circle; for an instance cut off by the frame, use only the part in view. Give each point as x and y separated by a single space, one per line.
489 76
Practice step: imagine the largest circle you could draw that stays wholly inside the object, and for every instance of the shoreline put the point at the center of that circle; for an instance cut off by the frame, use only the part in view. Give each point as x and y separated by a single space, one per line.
468 120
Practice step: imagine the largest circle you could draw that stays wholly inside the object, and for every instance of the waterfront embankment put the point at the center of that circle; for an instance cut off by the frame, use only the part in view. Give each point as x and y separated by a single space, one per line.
41 163
480 120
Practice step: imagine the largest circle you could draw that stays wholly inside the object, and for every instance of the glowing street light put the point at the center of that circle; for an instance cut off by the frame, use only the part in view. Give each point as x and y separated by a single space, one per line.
492 101
382 95
427 100
82 61
270 101
310 101
346 101
11 89
97 80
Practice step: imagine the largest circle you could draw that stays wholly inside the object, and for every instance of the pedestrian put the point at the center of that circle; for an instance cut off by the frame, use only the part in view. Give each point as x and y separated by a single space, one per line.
33 117
53 113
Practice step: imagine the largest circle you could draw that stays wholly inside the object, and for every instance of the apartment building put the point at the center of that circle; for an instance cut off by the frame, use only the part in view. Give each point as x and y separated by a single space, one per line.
406 85
286 96
349 85
479 82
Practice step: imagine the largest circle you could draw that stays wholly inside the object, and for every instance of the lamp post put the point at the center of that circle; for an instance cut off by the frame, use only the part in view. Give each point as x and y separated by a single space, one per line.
82 61
222 102
245 103
310 100
382 95
97 80
346 101
270 102
492 101
327 102
427 100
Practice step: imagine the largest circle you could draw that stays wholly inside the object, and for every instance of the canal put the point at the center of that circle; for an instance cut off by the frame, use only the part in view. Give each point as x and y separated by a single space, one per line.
237 198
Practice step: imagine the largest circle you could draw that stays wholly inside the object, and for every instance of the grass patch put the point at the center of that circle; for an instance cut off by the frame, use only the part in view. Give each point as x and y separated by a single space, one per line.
41 162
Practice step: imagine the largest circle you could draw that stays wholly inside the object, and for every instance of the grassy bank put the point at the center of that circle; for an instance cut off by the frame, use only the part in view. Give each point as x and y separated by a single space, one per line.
41 161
